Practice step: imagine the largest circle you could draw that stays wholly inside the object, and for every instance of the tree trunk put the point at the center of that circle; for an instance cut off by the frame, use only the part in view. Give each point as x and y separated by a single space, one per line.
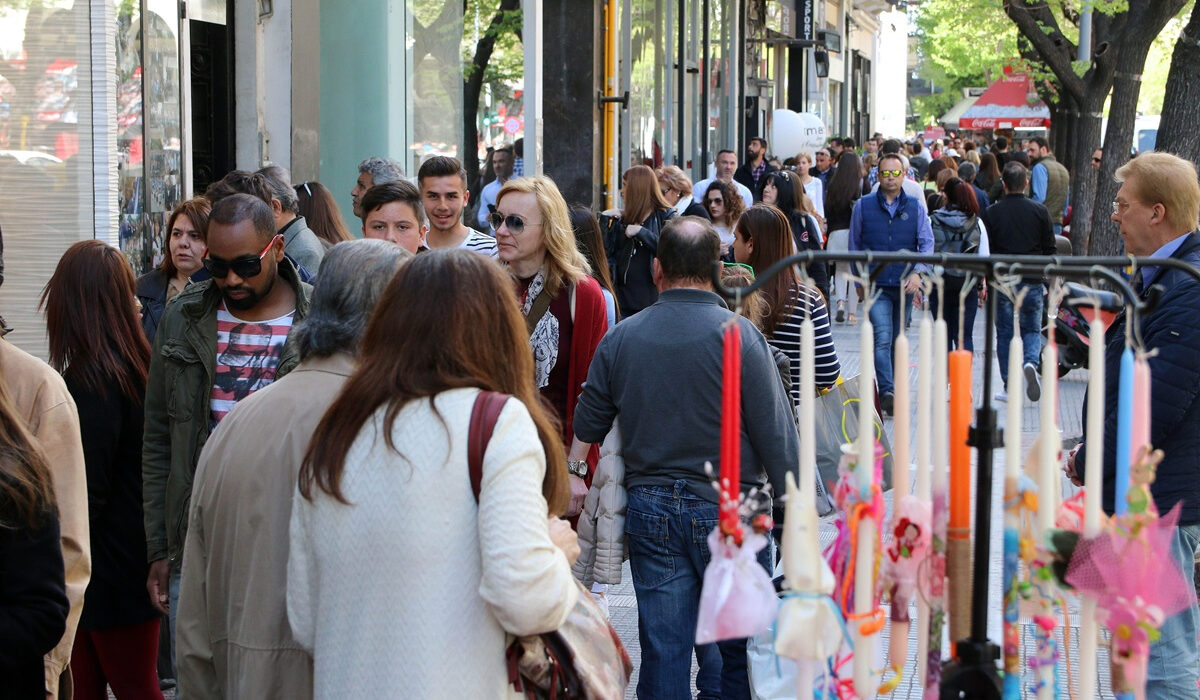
473 86
1176 131
1146 20
1078 161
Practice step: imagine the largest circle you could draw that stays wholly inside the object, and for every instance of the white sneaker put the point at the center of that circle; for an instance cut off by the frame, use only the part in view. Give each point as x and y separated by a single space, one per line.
1033 383
1001 396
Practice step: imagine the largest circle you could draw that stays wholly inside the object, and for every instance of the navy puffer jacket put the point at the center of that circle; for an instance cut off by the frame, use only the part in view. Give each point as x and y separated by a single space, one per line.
1173 331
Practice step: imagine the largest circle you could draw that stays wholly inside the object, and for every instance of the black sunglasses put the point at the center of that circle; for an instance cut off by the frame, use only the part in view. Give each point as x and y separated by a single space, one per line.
244 267
514 223
718 200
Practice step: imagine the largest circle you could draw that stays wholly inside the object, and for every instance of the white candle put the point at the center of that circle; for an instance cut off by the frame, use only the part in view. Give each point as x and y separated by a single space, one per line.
924 378
808 426
901 414
1051 442
864 566
1012 428
1093 477
941 408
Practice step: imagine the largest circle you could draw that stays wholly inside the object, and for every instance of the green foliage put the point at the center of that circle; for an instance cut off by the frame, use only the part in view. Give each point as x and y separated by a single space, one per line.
1158 63
507 64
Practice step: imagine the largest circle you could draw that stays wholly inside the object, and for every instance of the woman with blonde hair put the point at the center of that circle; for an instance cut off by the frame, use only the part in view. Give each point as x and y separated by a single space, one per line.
813 186
631 238
676 189
562 304
398 576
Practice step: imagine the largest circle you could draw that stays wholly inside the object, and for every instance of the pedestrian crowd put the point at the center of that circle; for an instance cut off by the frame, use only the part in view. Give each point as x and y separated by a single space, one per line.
255 455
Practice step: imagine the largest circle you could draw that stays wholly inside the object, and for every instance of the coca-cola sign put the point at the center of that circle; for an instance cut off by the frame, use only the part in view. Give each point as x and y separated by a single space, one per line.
1003 123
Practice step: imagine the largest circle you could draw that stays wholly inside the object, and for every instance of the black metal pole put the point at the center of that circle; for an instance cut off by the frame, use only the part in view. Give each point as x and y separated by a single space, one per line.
985 439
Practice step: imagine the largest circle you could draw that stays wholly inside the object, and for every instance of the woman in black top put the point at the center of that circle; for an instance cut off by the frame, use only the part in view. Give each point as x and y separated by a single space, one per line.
778 189
631 238
186 242
845 187
33 592
96 342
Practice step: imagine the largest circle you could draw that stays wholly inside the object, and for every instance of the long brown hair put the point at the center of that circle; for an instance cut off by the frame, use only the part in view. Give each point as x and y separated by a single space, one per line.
91 321
642 195
26 492
196 210
474 337
591 243
321 212
768 227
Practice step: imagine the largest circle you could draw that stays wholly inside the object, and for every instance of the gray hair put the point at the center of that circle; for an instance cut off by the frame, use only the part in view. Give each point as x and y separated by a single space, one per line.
280 181
382 170
351 280
967 171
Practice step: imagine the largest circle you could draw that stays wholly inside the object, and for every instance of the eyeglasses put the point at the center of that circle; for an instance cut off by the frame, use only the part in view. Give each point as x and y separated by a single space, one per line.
514 223
1119 207
717 200
891 173
245 267
1095 160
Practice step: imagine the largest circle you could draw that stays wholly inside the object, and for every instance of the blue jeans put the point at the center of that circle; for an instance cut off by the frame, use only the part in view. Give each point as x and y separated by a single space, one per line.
1174 662
1031 326
886 323
968 308
667 530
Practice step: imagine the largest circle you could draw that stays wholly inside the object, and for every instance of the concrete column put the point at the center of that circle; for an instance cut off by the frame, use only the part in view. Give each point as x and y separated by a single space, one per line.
571 118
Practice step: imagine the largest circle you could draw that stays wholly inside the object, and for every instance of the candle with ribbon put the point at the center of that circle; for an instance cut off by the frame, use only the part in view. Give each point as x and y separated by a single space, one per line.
937 552
1012 529
868 530
1093 483
731 427
1139 431
958 554
922 492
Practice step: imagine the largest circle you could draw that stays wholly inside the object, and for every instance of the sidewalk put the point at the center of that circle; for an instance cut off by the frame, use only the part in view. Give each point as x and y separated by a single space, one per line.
623 604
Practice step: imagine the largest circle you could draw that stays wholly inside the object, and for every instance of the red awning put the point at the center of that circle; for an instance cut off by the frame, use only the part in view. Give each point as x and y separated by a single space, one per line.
1008 103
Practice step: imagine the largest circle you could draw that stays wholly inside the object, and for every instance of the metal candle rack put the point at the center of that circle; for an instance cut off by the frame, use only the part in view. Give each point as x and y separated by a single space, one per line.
973 673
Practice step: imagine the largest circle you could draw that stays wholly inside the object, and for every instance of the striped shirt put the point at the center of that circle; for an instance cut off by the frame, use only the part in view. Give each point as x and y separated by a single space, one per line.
248 354
481 243
787 338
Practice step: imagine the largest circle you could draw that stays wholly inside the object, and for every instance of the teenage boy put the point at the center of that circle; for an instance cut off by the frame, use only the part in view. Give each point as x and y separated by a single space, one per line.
443 185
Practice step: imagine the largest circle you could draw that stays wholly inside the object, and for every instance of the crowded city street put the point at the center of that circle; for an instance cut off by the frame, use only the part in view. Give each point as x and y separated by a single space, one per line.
599 349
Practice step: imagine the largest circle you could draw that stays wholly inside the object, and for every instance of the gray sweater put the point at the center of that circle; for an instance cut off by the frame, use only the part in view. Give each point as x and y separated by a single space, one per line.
659 374
303 245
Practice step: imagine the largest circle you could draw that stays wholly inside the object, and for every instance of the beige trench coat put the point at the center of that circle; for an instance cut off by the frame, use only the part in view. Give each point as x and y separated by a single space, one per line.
233 636
41 397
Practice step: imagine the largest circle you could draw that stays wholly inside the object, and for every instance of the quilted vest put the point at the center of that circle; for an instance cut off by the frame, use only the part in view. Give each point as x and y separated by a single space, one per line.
1058 181
884 233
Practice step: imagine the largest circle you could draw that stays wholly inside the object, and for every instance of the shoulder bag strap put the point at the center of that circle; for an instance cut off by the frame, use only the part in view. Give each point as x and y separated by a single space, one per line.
484 415
538 309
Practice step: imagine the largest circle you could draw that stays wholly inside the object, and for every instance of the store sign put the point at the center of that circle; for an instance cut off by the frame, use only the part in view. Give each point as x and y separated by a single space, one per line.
1001 123
806 16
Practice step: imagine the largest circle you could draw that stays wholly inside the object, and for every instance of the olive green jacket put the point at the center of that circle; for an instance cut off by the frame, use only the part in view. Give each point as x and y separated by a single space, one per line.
178 407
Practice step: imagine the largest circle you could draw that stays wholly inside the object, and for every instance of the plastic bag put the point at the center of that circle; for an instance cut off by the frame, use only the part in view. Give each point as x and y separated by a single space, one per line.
837 424
738 599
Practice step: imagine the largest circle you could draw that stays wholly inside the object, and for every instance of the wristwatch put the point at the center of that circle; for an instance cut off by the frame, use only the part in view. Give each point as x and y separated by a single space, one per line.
578 467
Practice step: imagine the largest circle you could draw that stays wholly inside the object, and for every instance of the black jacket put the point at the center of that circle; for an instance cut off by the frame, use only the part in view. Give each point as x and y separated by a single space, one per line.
33 605
111 428
696 209
1017 225
807 236
745 176
630 259
1172 331
152 293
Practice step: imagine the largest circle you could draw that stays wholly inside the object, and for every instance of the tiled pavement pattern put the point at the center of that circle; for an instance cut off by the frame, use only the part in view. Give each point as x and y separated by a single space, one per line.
623 604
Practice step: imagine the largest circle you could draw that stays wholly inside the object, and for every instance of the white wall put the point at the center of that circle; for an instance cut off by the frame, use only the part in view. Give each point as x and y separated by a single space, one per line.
263 89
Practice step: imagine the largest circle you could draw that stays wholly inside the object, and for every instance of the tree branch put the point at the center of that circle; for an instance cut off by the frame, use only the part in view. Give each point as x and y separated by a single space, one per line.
1054 48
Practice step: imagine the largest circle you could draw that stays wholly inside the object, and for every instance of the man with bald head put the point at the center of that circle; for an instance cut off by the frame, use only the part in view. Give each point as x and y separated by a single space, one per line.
674 349
218 342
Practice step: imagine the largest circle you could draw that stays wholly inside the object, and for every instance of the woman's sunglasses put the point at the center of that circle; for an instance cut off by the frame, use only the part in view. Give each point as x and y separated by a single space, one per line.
244 267
514 223
717 200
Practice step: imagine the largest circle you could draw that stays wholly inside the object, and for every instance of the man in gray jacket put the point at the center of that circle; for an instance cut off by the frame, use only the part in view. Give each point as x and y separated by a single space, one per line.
299 241
658 374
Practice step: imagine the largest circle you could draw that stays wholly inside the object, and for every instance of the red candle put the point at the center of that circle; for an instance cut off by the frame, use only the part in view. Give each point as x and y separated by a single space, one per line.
960 452
731 428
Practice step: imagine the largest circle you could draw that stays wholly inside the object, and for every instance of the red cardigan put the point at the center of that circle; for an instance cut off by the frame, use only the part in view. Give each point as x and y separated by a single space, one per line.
591 323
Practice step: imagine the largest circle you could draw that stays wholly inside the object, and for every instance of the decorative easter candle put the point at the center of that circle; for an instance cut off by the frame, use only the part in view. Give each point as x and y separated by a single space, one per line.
1093 483
924 381
864 564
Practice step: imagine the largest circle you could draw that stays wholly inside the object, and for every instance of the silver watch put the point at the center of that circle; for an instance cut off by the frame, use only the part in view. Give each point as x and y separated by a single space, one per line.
578 467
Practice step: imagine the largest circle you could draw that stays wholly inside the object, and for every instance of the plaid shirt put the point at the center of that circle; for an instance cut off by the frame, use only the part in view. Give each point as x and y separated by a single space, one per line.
757 172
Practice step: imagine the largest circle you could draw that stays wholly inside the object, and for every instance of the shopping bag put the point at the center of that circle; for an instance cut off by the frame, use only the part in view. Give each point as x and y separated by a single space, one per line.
837 424
737 598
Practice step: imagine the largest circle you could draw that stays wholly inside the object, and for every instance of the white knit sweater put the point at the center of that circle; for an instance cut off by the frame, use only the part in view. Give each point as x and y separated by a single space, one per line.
410 591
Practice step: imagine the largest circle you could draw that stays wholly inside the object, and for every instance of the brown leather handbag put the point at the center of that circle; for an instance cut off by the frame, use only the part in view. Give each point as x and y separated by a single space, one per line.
584 658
